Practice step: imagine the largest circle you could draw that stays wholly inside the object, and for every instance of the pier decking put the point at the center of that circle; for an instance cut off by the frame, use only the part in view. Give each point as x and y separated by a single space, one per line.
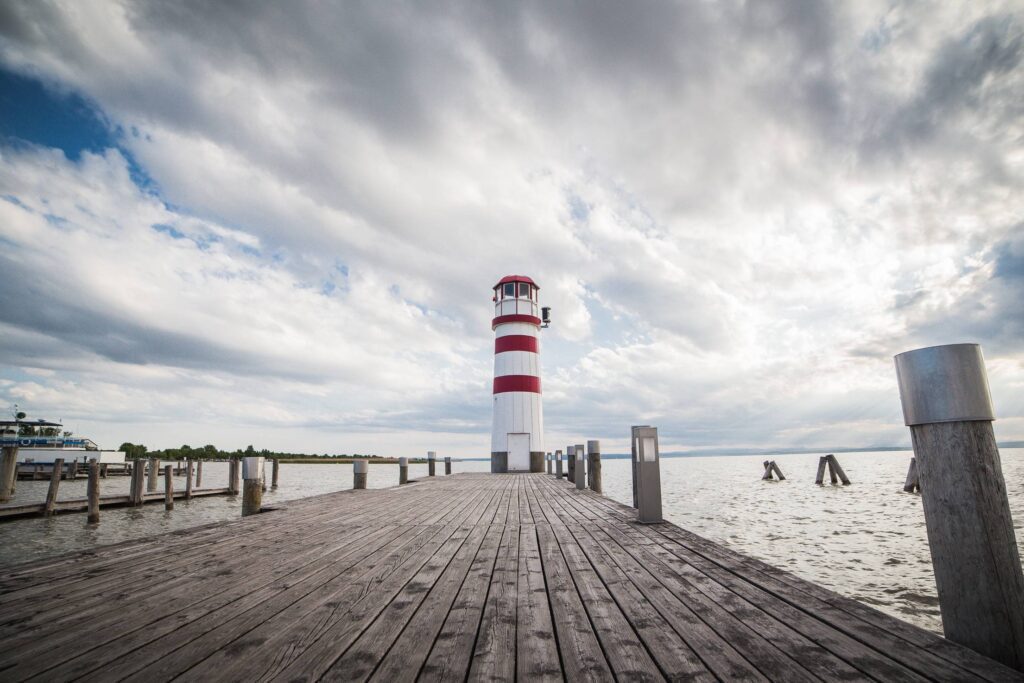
495 577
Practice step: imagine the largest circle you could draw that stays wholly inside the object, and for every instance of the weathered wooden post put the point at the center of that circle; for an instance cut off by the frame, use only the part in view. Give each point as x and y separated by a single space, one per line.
136 496
771 468
834 469
103 470
581 467
199 474
819 478
73 469
403 471
277 468
947 405
8 472
912 484
252 486
188 479
360 468
93 488
51 494
431 457
648 474
154 472
570 464
594 470
558 465
168 488
234 471
447 465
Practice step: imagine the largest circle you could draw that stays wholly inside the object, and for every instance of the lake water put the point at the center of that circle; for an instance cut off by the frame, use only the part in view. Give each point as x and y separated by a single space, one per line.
866 541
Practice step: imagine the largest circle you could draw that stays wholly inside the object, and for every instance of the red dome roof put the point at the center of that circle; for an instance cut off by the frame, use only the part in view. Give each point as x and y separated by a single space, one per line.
515 278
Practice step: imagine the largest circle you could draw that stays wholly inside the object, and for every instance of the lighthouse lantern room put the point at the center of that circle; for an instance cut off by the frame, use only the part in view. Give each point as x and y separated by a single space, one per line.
517 436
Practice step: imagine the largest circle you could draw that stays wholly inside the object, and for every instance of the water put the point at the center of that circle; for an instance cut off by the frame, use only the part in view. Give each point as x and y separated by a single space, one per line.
866 541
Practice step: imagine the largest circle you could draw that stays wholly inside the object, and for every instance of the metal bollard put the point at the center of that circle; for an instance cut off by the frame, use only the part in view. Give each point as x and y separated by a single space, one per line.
558 465
360 468
948 407
252 485
403 471
447 465
431 457
581 467
547 457
570 464
647 478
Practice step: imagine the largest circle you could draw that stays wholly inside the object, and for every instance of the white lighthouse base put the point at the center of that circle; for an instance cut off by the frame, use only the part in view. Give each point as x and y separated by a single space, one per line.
499 462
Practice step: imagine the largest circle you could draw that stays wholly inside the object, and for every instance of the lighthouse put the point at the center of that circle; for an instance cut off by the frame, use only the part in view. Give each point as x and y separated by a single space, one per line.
517 435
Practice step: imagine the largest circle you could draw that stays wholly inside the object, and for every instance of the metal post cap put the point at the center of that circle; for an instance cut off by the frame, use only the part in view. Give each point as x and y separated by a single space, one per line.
431 455
360 466
252 467
593 446
403 462
944 384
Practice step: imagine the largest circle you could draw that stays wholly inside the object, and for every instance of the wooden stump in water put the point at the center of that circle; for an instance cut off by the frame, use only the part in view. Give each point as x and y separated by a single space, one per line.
199 474
770 468
154 472
913 483
94 492
8 472
168 488
51 494
188 480
277 465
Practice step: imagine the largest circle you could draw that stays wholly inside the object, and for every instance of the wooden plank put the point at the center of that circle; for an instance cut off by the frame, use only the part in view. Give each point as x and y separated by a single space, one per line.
536 651
494 653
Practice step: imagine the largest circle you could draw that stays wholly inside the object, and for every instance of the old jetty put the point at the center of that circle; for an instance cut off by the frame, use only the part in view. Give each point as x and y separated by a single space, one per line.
478 576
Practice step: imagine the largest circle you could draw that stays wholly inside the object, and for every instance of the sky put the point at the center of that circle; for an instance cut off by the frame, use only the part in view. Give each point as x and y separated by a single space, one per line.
279 223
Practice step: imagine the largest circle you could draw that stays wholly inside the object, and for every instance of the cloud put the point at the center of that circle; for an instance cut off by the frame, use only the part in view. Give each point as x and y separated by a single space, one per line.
738 212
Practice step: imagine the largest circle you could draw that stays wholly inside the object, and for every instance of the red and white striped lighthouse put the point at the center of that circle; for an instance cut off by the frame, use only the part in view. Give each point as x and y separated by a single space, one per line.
517 436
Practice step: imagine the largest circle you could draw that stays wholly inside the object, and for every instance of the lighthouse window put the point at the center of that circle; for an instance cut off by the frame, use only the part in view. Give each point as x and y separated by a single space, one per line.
510 289
524 290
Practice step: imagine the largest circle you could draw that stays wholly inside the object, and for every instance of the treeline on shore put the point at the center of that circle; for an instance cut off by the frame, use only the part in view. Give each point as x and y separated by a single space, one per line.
210 452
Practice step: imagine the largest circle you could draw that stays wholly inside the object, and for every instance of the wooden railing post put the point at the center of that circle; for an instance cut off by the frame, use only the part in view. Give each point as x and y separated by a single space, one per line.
403 471
51 493
94 492
360 468
947 405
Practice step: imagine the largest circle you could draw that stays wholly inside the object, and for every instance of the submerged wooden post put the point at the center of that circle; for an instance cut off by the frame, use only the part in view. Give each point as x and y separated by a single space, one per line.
594 456
277 468
570 464
103 470
199 474
447 465
73 469
154 472
834 469
558 465
93 488
947 405
771 468
234 470
431 457
912 484
252 486
188 479
8 472
581 467
819 478
51 493
168 488
360 468
647 458
403 471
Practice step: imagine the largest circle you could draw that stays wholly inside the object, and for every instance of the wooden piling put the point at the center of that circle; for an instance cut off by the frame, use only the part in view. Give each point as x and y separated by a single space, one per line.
51 493
252 488
103 470
447 465
8 472
360 468
138 483
570 464
73 469
771 468
168 488
835 469
93 488
277 467
154 472
948 408
403 471
431 457
594 459
199 474
188 480
819 478
234 468
912 484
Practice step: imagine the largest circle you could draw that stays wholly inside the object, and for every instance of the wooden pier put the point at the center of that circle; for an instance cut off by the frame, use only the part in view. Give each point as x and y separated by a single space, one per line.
496 577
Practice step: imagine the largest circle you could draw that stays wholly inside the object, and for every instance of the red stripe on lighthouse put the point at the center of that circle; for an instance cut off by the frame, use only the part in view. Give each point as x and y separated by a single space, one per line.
507 383
516 342
515 318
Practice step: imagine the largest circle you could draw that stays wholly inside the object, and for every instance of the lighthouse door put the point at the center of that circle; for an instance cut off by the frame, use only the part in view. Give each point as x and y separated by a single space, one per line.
518 452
